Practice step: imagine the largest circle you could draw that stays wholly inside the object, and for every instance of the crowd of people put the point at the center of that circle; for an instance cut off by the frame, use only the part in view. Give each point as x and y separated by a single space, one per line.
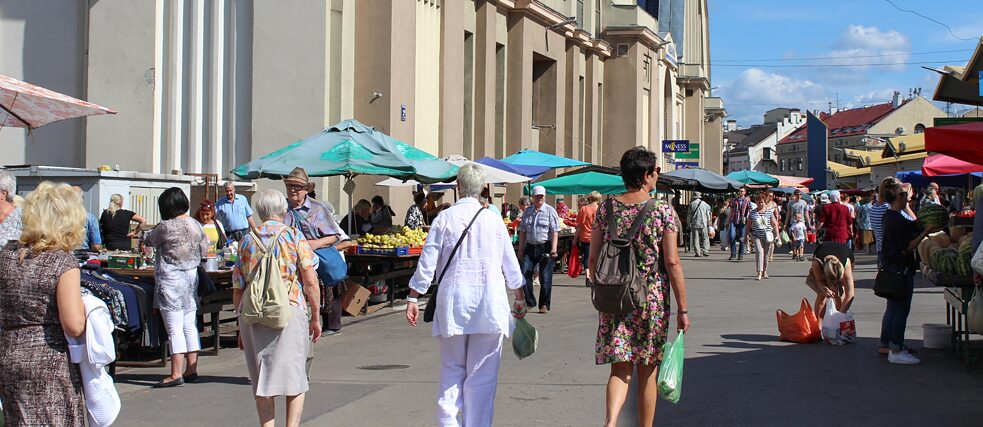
40 302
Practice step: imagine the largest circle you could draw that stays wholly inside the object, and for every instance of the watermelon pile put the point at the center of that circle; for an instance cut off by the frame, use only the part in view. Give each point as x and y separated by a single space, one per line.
933 216
946 256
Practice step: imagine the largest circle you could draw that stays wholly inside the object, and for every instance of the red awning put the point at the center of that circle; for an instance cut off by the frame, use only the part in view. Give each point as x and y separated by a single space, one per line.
963 141
941 164
792 181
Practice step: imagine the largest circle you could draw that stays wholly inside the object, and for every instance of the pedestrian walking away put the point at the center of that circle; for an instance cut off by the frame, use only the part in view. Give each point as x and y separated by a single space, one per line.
234 213
740 208
180 245
537 247
635 340
585 227
276 359
469 256
699 222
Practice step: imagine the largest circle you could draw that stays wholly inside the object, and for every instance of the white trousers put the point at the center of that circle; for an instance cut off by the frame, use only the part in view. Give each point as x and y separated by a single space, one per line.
182 331
468 379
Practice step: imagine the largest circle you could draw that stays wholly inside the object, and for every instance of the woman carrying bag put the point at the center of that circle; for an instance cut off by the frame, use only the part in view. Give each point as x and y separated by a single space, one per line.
636 339
469 256
761 226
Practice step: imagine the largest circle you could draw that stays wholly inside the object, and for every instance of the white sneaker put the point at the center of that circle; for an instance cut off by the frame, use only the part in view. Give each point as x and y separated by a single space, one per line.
902 358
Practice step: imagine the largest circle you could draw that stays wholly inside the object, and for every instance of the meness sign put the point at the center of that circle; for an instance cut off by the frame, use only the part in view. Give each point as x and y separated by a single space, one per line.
675 145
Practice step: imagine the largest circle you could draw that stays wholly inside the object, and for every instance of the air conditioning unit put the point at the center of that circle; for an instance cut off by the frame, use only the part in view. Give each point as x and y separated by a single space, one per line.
899 130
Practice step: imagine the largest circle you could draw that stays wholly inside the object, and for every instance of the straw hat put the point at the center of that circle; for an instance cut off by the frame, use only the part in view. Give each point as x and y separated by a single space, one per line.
298 175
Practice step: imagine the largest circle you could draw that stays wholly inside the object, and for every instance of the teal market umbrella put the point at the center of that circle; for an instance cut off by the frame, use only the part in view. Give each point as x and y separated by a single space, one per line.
527 157
583 183
753 177
351 148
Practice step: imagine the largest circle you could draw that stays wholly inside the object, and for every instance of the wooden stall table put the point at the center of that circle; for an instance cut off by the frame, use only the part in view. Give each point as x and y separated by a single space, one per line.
370 268
213 305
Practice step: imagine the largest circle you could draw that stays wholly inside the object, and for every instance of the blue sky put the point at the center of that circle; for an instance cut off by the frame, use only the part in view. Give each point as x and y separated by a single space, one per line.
749 39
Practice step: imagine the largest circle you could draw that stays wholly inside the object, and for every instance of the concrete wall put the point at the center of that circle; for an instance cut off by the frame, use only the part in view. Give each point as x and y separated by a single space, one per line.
916 111
43 43
122 74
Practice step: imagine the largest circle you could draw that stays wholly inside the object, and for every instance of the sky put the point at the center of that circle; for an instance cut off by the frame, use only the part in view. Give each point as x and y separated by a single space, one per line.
760 51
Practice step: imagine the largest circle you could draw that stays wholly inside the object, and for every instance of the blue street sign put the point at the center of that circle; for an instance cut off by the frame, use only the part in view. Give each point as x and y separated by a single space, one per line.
684 165
675 145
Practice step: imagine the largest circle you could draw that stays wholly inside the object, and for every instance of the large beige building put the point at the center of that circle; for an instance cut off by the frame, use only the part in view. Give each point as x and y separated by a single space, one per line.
204 86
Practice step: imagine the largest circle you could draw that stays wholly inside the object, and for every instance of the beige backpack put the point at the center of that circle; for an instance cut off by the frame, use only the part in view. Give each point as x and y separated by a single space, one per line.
266 299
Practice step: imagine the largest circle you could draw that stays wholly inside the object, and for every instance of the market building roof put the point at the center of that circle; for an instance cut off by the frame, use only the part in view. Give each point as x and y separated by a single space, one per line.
845 123
844 171
960 84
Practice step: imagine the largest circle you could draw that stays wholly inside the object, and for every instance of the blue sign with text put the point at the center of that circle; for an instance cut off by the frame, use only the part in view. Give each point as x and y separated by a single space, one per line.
685 165
675 145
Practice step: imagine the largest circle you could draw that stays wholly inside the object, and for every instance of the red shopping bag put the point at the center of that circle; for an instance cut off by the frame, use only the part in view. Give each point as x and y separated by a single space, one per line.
574 268
811 237
801 327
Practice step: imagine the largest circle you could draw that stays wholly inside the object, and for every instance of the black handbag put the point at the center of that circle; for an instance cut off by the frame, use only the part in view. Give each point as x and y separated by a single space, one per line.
431 308
889 285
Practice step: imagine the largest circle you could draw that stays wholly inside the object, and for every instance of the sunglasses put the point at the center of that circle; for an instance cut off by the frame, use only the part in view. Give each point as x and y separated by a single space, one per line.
296 187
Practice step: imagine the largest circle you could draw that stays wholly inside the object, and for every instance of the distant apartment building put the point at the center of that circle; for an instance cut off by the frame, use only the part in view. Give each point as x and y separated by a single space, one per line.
757 149
866 128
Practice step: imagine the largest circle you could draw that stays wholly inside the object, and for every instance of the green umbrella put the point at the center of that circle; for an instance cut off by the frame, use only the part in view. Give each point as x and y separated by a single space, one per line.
527 157
753 177
583 183
350 148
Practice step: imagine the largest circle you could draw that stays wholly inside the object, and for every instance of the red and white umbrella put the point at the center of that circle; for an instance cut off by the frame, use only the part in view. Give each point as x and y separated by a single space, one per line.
29 106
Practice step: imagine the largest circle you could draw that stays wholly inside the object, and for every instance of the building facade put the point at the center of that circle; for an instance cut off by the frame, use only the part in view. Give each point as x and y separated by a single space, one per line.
204 86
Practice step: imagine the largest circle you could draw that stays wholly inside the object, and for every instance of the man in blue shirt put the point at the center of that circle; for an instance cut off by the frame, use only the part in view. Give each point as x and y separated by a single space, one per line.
93 238
234 213
537 247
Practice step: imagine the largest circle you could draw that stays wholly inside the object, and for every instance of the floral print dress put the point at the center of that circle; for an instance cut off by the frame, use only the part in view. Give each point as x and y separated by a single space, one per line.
638 337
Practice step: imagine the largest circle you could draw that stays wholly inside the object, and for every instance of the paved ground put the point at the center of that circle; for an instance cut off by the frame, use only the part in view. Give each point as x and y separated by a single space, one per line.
736 372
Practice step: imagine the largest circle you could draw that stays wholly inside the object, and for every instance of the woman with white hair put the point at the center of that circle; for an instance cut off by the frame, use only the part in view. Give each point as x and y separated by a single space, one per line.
472 318
10 215
277 358
115 225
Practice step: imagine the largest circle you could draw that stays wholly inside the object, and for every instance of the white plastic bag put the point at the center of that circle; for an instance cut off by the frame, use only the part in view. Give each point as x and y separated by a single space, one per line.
838 328
974 313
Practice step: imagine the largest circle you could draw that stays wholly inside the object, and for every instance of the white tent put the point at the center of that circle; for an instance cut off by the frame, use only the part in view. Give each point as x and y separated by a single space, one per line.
492 175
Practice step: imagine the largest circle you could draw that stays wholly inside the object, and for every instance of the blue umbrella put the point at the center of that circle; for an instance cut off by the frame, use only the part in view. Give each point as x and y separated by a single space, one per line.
753 177
529 157
527 171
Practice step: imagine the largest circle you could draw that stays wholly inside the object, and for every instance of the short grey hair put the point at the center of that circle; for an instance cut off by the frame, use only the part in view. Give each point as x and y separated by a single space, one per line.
834 195
8 183
270 204
470 179
230 184
524 200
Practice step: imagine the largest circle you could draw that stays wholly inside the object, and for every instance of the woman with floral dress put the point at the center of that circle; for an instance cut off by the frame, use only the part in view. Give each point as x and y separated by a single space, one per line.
636 339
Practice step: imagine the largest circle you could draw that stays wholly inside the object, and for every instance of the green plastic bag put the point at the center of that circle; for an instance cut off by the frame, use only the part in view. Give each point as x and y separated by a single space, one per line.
525 339
671 374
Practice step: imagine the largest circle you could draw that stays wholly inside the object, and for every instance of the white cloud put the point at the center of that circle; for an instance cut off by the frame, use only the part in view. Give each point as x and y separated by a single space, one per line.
754 91
868 45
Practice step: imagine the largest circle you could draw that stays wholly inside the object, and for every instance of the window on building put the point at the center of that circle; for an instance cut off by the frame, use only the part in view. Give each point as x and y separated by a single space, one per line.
767 153
580 14
799 163
919 128
597 18
781 165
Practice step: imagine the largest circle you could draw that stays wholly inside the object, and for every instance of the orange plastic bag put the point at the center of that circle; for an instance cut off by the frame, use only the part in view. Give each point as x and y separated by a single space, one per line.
802 327
574 268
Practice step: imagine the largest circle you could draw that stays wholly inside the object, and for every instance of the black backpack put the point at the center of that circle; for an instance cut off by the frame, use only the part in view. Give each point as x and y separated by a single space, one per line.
619 287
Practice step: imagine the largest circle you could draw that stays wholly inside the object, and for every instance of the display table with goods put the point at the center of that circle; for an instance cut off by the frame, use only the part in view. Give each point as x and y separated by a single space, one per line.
945 260
379 268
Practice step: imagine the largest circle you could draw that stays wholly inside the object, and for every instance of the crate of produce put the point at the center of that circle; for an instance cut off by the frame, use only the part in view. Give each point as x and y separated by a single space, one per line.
938 278
397 251
123 261
416 250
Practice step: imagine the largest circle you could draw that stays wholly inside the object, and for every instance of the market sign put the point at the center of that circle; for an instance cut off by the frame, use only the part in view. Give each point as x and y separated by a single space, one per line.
692 153
675 145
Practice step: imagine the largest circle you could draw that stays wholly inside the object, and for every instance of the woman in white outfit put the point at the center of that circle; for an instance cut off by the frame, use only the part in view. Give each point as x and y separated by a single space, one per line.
472 317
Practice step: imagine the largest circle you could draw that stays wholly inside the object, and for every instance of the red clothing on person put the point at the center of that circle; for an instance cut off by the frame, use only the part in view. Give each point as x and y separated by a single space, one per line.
585 221
835 218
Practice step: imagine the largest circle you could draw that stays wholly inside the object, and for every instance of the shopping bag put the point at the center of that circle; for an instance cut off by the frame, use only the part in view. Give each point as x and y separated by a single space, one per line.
525 339
574 268
838 328
670 379
811 237
785 238
801 327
